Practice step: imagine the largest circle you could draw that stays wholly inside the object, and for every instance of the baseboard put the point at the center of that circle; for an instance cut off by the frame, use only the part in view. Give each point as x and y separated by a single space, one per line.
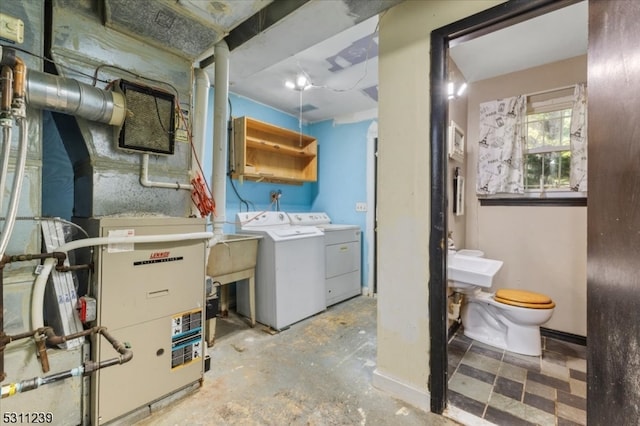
564 336
419 398
464 418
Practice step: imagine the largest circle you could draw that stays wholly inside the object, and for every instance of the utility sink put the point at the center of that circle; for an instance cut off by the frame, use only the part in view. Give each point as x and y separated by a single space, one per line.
233 253
471 270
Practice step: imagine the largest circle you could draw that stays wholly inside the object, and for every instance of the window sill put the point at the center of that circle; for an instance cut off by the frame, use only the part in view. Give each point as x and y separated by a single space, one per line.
529 201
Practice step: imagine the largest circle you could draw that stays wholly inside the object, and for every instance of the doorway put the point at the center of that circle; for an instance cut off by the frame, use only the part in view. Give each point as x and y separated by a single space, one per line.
482 23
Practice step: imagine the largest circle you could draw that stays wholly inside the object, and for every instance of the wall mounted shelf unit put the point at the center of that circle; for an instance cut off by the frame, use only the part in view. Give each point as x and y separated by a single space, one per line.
265 152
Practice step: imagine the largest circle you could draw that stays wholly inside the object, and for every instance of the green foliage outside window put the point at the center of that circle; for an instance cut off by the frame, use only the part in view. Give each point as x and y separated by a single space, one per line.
547 151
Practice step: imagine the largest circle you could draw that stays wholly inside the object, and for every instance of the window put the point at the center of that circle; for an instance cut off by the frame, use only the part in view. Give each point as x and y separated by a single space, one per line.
547 150
547 155
542 156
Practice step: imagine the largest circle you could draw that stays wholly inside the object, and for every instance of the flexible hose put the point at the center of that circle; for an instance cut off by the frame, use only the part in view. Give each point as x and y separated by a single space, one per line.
6 149
37 298
10 219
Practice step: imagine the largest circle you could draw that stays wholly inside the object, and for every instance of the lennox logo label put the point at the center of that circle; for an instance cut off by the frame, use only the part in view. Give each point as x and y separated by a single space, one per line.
159 255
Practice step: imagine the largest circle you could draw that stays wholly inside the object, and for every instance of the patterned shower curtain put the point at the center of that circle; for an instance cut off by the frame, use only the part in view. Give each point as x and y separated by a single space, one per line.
578 140
500 152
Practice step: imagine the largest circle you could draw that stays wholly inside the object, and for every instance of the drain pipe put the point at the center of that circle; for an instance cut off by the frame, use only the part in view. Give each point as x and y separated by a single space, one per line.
220 113
144 178
201 112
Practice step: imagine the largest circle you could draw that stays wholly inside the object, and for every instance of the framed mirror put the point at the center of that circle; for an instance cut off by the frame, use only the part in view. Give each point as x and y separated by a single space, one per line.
456 142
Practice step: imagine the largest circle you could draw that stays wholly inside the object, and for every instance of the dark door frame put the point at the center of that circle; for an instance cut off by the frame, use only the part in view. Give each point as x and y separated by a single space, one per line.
492 19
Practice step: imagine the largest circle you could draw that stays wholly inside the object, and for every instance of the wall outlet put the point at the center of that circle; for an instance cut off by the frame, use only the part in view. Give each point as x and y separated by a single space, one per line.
361 207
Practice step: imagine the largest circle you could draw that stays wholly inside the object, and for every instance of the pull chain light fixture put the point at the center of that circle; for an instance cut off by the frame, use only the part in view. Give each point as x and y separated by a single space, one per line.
300 85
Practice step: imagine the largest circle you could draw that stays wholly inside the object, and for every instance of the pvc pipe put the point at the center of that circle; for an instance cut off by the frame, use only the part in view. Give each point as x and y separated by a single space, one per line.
101 241
69 96
219 152
144 178
37 300
12 211
201 112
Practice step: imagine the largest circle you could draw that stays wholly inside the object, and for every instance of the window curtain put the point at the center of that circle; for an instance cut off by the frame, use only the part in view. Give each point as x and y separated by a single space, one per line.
500 152
578 139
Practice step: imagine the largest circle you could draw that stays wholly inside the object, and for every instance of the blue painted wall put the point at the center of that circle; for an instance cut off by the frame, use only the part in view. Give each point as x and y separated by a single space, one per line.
342 177
341 171
257 194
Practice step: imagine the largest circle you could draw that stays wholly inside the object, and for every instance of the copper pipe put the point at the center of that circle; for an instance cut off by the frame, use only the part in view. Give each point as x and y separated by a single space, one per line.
20 77
73 268
53 339
41 348
7 85
86 369
60 256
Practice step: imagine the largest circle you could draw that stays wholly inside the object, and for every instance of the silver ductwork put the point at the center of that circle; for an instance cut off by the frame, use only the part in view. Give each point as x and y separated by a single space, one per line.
69 96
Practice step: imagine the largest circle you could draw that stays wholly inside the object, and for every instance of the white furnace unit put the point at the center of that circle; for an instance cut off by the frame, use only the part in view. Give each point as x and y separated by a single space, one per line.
342 255
150 295
289 269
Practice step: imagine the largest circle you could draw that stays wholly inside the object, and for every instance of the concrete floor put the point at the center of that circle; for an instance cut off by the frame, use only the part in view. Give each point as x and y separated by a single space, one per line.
318 372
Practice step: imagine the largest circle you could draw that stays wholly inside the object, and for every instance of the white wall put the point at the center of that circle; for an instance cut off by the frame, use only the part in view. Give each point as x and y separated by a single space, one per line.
403 192
544 249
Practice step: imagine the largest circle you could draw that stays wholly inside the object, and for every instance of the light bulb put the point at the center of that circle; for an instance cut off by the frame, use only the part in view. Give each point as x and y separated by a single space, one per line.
301 82
461 90
450 90
289 84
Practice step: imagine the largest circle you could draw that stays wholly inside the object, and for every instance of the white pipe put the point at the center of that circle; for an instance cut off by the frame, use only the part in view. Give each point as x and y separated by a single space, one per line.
12 211
101 241
220 113
37 300
201 112
144 178
37 297
6 148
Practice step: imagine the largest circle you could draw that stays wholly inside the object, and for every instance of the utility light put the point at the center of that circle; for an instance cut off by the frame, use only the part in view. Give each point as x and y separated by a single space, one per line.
300 84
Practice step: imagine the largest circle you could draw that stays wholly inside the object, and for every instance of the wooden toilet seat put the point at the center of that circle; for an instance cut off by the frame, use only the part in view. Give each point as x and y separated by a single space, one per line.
523 299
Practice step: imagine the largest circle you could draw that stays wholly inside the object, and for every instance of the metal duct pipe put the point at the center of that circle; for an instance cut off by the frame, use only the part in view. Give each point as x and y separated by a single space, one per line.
220 113
48 91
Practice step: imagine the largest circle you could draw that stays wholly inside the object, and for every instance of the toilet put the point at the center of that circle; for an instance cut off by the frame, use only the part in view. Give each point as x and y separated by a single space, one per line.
510 319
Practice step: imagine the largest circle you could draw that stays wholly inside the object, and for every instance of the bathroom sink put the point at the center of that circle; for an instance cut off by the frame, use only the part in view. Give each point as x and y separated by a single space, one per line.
471 270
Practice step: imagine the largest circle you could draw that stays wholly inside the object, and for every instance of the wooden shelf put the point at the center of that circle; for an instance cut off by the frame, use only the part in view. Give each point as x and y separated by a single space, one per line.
264 152
277 148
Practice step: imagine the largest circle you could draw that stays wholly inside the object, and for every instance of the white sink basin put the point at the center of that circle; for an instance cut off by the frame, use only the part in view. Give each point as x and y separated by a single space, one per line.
471 270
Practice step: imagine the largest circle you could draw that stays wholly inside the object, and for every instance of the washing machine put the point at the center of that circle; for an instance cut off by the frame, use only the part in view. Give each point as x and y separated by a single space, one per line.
290 272
342 255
